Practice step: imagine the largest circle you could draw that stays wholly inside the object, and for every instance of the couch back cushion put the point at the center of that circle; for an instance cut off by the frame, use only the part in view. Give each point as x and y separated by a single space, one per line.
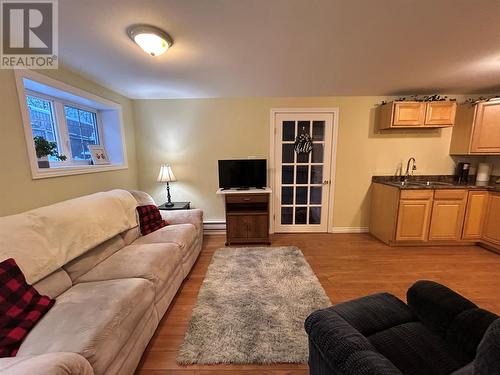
436 305
131 235
45 239
466 332
84 263
54 284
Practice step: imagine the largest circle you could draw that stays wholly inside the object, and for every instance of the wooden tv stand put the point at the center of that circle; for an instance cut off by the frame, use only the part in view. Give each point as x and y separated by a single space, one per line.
247 215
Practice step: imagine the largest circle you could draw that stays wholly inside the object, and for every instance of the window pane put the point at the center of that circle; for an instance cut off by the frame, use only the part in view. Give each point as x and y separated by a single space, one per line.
286 215
42 120
315 215
302 172
318 130
286 195
301 195
316 174
316 192
317 153
287 174
304 127
288 153
301 215
289 130
82 131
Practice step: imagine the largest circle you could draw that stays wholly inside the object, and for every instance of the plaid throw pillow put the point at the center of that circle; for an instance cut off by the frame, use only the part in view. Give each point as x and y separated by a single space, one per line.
150 219
21 307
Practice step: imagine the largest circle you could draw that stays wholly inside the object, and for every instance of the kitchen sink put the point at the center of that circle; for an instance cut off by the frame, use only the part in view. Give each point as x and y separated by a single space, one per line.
421 184
434 183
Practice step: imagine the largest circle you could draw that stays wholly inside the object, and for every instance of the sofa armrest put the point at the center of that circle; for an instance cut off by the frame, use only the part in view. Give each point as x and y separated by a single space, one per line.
337 347
194 217
436 305
48 364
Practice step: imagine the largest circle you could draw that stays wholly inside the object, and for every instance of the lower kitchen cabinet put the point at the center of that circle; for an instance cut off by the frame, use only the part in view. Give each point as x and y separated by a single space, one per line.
477 204
491 229
414 216
447 218
427 216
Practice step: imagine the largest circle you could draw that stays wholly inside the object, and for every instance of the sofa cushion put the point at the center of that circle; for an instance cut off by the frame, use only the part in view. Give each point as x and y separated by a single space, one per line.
183 235
131 235
487 359
154 262
374 313
21 307
415 350
436 305
55 284
150 219
91 258
93 319
336 339
51 363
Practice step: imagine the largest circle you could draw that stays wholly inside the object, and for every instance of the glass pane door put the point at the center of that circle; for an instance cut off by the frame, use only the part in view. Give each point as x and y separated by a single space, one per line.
302 181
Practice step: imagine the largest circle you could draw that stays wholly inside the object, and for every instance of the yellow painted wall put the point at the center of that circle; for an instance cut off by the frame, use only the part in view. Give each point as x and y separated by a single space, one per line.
193 134
18 192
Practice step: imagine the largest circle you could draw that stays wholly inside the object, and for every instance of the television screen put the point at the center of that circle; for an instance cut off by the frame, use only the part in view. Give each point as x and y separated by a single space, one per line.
245 173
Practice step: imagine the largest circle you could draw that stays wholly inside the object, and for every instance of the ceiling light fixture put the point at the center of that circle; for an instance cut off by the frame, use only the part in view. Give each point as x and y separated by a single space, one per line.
152 40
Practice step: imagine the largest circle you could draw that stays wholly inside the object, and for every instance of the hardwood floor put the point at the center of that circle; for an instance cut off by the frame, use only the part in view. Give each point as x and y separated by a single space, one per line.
348 266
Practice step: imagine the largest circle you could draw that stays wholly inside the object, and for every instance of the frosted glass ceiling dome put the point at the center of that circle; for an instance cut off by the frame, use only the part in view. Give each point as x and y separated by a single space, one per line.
152 40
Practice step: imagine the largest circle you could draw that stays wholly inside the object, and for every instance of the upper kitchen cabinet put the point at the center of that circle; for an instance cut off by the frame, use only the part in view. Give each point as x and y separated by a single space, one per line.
477 129
410 114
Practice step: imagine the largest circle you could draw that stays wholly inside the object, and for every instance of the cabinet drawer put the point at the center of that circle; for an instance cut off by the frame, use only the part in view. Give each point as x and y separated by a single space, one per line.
247 198
454 194
417 194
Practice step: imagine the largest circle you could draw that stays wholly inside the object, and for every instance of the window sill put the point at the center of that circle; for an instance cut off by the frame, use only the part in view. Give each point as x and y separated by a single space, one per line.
40 173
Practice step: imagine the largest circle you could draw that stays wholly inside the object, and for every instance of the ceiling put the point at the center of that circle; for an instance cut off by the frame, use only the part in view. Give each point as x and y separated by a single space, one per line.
234 48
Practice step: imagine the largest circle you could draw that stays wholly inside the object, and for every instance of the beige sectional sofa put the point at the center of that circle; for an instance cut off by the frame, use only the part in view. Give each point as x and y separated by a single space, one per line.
112 285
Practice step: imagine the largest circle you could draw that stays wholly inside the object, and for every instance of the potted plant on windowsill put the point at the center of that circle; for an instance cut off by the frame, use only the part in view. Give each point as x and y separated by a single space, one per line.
44 149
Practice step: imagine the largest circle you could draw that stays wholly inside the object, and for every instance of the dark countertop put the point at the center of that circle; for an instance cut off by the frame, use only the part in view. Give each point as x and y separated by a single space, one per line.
435 182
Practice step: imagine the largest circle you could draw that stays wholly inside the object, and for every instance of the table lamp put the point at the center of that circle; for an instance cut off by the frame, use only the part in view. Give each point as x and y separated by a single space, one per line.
166 175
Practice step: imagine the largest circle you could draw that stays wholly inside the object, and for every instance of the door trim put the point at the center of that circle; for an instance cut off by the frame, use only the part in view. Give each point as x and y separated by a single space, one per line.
333 163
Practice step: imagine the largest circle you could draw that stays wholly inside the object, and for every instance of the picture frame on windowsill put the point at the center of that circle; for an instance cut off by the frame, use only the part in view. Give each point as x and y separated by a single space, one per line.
99 155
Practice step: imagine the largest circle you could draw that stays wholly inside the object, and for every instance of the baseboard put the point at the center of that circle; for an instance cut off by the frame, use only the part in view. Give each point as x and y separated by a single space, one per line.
350 230
214 227
219 227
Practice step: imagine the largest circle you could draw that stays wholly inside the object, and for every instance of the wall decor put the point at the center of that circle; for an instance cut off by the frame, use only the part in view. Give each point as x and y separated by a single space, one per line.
303 142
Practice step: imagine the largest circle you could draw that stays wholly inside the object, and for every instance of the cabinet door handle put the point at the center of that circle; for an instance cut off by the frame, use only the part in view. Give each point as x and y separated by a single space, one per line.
246 199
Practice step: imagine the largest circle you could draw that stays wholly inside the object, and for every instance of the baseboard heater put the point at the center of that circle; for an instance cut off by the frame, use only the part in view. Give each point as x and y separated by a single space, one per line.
214 227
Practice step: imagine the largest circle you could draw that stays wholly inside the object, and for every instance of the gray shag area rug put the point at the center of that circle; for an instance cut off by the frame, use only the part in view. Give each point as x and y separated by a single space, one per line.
251 308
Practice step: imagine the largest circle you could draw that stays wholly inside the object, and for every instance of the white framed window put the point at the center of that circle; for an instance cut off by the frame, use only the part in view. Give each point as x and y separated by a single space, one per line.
72 119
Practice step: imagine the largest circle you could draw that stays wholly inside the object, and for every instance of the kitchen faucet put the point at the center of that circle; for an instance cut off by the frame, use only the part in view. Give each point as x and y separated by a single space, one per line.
408 172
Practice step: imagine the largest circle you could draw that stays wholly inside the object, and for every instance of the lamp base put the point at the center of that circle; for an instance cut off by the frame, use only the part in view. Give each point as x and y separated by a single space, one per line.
169 204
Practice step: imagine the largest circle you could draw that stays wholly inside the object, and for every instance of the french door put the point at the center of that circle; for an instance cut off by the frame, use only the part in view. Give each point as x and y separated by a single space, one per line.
302 185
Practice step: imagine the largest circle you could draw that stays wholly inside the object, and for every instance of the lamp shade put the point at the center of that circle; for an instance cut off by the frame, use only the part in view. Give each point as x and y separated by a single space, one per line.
166 174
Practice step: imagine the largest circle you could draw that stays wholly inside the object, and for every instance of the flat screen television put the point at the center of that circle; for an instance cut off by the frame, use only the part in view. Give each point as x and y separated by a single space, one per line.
242 174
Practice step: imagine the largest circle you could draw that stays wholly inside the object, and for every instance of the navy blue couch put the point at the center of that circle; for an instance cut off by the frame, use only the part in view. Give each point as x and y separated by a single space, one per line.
439 332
